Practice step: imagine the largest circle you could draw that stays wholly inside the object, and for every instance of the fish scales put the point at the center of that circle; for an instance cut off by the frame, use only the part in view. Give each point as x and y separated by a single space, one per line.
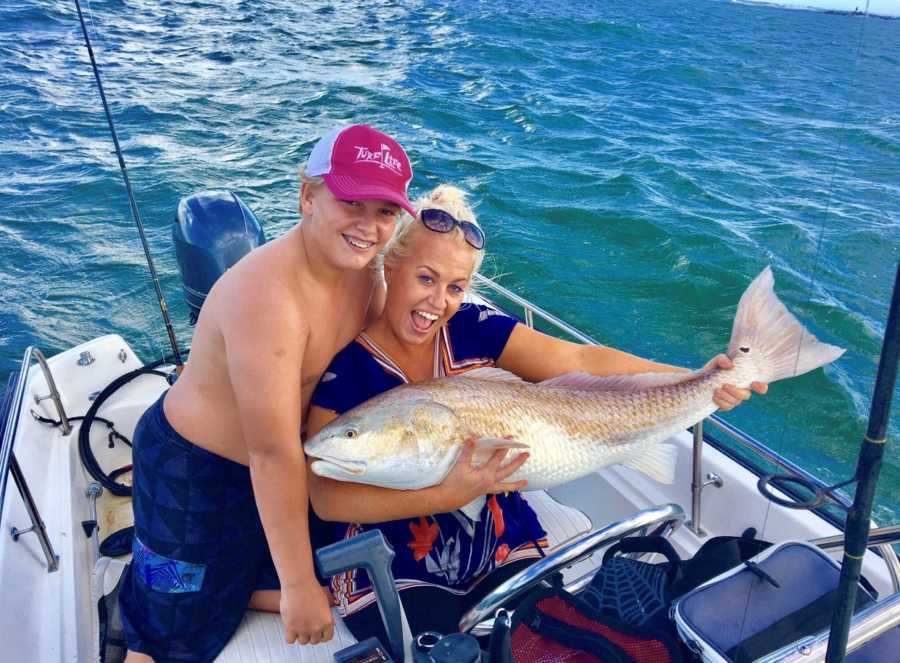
571 431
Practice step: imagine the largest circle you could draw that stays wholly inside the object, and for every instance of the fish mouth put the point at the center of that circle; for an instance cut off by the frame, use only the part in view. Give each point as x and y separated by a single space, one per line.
324 466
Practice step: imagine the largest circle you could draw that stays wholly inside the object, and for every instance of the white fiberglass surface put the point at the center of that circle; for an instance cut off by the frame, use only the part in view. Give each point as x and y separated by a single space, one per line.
50 617
47 616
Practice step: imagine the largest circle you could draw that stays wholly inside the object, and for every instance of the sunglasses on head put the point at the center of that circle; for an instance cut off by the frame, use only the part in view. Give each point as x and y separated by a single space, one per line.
440 222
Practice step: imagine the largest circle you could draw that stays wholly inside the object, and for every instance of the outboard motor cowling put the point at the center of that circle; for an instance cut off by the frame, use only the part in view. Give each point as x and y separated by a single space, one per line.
212 231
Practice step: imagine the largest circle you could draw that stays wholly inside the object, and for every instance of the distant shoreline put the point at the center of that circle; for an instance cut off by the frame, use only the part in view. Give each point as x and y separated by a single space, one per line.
832 7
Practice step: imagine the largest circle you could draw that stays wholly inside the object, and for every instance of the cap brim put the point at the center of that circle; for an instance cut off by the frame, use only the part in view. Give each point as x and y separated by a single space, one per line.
350 188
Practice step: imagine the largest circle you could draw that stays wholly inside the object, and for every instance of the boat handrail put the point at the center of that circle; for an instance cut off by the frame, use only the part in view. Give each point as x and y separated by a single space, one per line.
664 519
880 538
877 537
531 309
867 625
9 424
756 447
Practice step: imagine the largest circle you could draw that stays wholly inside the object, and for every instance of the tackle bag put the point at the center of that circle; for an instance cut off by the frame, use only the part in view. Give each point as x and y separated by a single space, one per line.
552 625
783 594
623 615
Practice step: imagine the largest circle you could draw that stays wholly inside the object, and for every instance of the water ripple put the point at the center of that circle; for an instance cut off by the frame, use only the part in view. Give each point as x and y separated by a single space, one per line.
634 166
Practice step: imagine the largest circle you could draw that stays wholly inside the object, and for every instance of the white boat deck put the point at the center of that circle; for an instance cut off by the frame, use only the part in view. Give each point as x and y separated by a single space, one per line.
49 617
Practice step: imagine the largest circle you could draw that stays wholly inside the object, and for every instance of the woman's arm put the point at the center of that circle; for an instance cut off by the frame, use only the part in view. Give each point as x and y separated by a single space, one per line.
535 357
342 501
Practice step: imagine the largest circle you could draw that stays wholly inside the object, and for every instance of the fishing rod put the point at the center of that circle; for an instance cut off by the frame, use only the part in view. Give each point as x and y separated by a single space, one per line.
170 330
868 467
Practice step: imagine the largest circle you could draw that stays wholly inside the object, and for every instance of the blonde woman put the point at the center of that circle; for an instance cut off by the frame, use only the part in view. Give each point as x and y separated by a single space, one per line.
445 560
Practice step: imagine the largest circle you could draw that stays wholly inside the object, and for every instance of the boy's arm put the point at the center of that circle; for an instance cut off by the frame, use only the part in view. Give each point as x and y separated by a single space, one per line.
264 345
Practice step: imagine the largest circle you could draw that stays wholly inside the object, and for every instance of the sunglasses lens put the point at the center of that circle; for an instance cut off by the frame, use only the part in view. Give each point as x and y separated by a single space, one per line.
437 220
473 235
441 222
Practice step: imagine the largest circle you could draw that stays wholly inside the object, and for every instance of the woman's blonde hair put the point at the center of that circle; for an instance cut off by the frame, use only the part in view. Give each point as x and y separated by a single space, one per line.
444 197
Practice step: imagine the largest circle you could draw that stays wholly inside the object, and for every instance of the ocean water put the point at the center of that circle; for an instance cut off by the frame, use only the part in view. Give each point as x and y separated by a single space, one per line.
635 165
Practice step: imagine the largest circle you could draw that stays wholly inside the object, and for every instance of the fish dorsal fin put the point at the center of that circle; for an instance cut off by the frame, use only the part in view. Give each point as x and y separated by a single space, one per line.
634 382
491 373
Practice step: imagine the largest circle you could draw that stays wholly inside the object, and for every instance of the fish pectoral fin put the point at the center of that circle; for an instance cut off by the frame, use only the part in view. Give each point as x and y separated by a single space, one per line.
633 382
494 443
658 462
472 510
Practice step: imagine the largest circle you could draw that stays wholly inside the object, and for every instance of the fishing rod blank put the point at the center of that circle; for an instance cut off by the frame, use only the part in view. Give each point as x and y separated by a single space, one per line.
134 210
867 468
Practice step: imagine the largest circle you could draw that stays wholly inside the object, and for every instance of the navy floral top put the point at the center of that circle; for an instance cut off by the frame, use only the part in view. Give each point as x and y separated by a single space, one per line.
446 549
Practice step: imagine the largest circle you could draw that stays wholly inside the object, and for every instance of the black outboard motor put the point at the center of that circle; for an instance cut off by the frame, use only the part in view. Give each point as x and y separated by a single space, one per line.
212 231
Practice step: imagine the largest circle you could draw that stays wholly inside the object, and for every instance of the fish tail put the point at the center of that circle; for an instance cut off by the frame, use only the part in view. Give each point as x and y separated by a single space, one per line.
781 346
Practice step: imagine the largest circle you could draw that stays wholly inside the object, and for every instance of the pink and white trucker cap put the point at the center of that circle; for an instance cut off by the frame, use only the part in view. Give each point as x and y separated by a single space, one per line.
361 163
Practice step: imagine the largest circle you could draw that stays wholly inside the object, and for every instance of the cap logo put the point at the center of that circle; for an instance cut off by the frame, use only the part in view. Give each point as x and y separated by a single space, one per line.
383 158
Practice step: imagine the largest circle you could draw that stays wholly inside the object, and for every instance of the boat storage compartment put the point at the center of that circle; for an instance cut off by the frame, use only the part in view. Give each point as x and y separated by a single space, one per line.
783 594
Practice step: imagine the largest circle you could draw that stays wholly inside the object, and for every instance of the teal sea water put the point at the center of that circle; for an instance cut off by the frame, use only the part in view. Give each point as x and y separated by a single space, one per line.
634 165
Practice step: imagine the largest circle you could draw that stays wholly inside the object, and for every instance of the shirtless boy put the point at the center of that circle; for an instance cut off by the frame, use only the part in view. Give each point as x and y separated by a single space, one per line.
217 460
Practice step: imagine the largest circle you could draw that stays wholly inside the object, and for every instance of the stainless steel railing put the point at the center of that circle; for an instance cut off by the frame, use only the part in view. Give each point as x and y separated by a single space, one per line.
51 384
867 625
665 517
529 310
881 538
8 464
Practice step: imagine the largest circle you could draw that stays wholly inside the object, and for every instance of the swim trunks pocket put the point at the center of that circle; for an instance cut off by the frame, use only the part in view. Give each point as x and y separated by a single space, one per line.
162 574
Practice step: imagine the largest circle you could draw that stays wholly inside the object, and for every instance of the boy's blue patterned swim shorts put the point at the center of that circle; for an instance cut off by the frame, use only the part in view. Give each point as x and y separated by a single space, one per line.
199 547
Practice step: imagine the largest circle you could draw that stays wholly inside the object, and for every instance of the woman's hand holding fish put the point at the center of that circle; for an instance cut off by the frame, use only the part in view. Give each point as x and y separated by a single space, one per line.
465 482
729 397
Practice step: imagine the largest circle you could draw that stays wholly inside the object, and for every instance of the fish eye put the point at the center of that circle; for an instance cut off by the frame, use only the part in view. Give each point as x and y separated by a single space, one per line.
744 349
350 433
